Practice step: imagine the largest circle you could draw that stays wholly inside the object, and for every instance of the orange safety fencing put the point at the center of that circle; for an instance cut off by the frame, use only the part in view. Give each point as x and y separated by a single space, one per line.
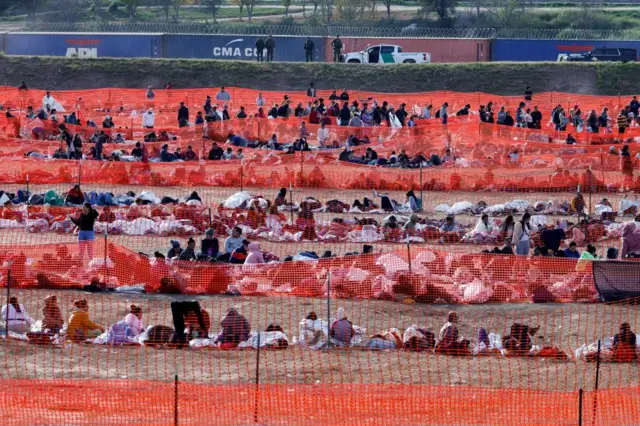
422 274
309 171
341 315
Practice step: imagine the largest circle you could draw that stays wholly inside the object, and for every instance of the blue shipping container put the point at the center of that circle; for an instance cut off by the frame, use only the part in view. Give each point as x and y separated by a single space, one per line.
549 50
85 45
238 47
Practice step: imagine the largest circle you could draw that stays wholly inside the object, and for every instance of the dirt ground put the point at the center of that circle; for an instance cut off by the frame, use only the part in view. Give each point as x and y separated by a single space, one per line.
566 326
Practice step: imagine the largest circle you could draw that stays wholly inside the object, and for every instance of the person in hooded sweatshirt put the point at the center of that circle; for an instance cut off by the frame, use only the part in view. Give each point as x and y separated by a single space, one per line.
341 330
630 241
235 329
255 255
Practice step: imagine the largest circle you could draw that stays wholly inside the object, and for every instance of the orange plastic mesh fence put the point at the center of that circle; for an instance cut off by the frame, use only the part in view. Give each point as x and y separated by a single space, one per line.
387 372
390 357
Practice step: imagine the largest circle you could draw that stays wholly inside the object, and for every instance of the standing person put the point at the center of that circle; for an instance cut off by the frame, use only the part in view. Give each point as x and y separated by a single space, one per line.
223 95
311 90
336 44
528 94
149 119
183 115
323 135
444 114
521 235
309 47
85 222
260 49
622 121
270 45
150 94
536 118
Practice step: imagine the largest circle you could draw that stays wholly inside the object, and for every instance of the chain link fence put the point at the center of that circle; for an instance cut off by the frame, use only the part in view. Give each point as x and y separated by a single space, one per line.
329 31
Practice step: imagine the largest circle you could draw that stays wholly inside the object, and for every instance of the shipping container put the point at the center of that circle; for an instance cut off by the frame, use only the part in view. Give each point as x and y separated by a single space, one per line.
549 50
238 47
85 45
441 50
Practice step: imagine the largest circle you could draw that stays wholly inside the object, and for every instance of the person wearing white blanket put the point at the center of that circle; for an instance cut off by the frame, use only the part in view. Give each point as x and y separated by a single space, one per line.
15 317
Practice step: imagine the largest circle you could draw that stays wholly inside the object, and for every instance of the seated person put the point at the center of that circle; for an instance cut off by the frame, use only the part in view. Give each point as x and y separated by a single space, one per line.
107 215
80 326
449 340
190 252
518 342
51 316
312 331
234 241
417 339
341 330
175 250
449 225
235 329
239 255
209 247
15 317
624 344
572 252
75 196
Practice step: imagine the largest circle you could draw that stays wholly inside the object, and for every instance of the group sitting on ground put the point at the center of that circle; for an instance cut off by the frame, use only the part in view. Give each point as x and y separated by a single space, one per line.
192 325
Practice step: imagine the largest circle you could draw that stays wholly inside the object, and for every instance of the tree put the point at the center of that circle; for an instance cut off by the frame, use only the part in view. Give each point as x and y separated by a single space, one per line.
250 4
165 5
387 4
32 6
443 8
351 10
213 6
131 6
505 13
240 4
176 5
287 5
316 3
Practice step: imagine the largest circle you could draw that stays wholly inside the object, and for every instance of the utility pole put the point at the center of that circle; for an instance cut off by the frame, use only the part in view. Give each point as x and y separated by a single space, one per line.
329 11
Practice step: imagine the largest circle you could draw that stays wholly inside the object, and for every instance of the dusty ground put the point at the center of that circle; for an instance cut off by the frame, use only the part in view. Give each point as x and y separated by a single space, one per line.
566 326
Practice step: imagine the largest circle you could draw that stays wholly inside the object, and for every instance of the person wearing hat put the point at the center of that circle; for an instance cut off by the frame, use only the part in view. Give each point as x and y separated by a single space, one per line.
209 247
175 250
80 326
270 45
149 119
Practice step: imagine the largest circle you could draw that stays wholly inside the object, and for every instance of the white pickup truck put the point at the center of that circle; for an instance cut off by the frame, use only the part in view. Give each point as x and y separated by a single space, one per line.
386 54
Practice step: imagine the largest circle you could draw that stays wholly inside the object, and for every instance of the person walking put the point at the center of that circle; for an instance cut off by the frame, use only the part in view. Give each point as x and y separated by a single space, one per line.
270 45
337 48
309 47
260 49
